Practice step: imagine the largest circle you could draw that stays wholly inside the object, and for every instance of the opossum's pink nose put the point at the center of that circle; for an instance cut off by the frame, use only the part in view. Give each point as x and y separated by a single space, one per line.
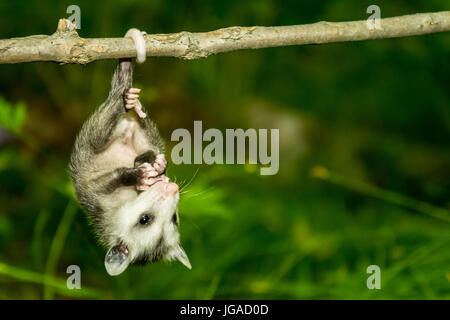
170 188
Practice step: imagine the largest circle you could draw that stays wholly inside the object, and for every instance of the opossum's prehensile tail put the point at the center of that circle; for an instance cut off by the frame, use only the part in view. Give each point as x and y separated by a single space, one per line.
123 77
139 43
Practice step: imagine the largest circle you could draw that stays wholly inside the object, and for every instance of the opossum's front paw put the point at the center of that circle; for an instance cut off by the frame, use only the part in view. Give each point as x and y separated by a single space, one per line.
160 163
132 101
148 176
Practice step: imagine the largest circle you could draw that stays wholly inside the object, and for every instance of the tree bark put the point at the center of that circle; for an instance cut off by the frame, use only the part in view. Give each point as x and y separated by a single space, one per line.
65 45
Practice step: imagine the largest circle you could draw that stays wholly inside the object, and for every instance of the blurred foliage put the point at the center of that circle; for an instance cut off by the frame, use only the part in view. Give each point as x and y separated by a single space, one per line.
12 117
375 114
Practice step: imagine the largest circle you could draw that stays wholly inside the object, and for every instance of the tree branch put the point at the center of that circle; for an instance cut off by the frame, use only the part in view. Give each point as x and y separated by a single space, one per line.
65 46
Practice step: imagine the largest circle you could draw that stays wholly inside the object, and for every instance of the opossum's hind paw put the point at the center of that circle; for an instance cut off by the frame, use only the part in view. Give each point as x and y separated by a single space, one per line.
148 176
160 163
131 97
132 101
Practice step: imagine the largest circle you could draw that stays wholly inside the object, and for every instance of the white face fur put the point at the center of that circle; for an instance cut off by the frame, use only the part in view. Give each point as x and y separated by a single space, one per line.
145 230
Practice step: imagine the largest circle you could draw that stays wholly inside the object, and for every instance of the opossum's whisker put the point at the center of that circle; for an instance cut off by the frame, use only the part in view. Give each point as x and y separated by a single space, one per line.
200 193
192 179
182 183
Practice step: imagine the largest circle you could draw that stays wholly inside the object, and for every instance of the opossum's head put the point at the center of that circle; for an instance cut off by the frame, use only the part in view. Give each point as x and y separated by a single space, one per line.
146 230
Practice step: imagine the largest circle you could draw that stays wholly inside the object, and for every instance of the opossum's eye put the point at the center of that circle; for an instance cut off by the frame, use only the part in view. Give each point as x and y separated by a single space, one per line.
146 219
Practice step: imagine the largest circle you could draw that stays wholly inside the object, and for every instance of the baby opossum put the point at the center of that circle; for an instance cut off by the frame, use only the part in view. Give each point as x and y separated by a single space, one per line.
118 171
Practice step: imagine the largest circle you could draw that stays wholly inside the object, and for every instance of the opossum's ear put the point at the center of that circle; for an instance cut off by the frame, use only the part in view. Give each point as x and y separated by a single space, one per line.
116 260
181 256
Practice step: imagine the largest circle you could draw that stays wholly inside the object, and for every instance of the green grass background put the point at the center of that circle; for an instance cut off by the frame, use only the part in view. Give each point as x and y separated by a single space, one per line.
364 157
